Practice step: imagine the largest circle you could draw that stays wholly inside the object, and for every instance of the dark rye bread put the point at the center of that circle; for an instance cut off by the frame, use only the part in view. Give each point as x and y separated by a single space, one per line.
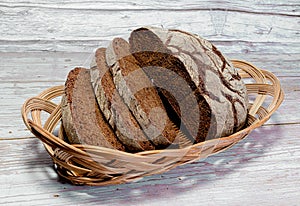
139 94
114 109
207 72
174 84
82 120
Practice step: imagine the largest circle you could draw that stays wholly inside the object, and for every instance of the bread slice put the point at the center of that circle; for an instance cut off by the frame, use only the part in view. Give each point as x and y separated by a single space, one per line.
82 120
139 94
208 73
114 109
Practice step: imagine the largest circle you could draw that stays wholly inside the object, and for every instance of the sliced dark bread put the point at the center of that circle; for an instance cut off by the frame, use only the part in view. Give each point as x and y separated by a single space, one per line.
83 122
114 109
174 83
140 95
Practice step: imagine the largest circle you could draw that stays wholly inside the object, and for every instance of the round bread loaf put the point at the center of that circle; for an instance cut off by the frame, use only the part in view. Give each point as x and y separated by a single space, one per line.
205 69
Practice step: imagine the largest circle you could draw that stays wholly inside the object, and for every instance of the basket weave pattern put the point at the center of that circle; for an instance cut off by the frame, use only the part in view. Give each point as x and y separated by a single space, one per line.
93 165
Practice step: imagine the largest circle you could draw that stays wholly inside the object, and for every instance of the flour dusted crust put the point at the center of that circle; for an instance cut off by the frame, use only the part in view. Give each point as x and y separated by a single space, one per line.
82 120
114 109
203 65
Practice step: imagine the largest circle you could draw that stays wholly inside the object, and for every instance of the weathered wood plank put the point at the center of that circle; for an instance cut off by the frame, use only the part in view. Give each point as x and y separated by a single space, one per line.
267 161
41 28
266 6
87 46
54 66
40 66
12 97
291 88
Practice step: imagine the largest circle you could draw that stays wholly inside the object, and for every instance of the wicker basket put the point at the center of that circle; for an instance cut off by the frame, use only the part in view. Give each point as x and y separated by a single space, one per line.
92 165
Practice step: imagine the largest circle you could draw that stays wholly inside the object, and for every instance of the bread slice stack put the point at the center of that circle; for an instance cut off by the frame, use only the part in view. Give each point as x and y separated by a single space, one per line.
161 89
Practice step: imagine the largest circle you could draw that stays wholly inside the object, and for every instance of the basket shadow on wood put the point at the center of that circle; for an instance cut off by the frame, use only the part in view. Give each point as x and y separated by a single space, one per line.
93 165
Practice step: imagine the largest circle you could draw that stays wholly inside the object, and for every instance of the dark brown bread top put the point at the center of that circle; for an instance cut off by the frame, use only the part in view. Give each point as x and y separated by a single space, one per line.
81 117
139 94
173 81
114 109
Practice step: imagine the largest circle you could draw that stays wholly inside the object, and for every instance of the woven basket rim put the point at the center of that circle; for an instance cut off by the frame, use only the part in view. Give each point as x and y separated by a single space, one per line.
68 157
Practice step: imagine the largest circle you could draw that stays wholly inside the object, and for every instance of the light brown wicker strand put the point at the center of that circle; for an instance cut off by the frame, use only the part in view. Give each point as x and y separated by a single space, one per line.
259 77
92 165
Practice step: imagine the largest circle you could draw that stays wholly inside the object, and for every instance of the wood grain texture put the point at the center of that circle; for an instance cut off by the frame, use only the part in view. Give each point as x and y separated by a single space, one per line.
41 41
266 6
59 26
54 66
258 163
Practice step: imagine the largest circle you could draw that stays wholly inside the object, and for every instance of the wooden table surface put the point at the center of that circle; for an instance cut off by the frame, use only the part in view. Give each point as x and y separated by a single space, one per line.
40 41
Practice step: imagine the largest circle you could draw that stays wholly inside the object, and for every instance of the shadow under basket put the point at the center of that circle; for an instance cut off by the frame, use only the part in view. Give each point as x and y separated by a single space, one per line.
94 165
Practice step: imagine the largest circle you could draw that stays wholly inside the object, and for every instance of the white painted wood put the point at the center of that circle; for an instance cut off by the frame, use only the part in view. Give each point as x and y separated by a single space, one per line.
40 41
263 169
256 5
54 66
57 27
